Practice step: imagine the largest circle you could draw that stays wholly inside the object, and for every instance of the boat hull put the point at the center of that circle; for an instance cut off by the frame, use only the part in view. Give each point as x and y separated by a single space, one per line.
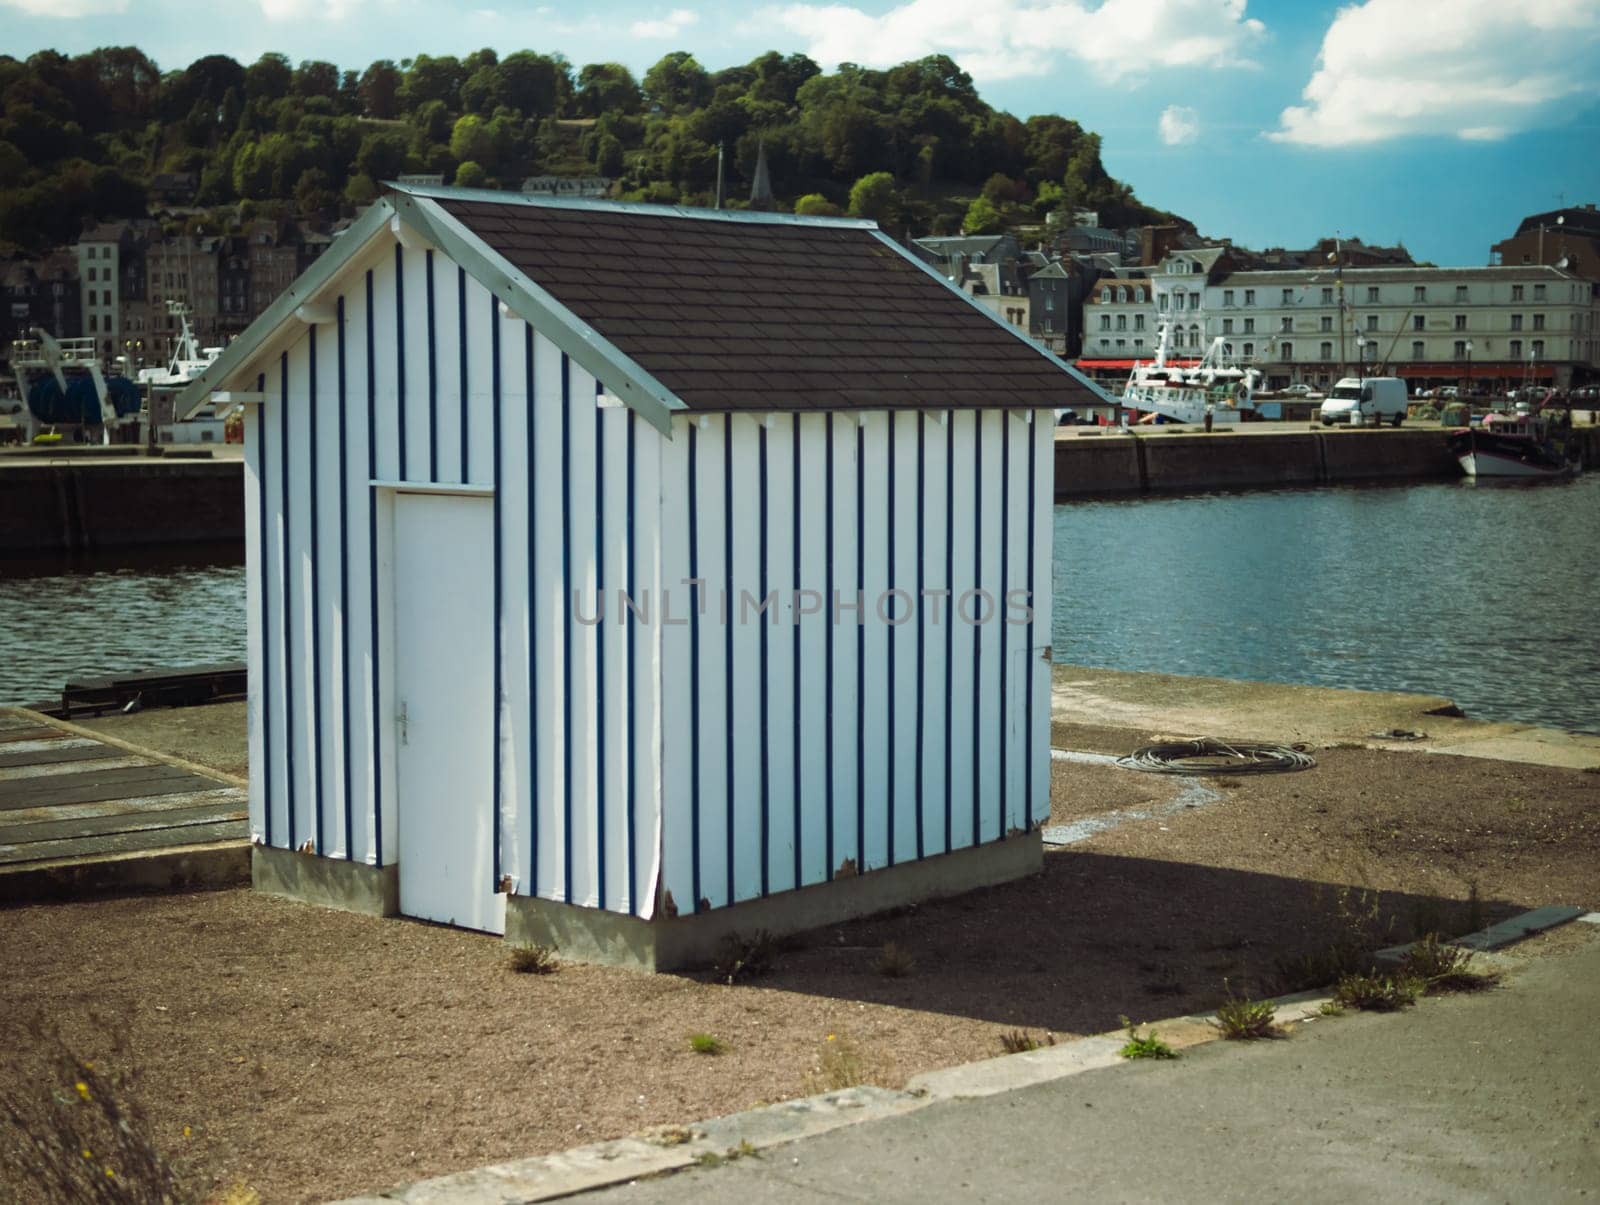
1507 456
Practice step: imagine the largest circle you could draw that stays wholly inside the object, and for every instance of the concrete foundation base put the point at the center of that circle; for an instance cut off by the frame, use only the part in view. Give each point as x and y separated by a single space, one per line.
670 943
348 886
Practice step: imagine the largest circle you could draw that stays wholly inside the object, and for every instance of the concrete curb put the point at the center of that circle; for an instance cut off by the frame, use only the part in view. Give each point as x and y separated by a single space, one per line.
177 868
669 1148
673 1148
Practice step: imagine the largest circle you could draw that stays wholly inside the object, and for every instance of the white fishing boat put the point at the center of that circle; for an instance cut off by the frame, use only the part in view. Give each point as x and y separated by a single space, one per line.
1182 394
162 384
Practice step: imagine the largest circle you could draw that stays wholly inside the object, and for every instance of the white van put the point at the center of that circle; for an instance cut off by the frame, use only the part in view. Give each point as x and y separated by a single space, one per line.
1378 397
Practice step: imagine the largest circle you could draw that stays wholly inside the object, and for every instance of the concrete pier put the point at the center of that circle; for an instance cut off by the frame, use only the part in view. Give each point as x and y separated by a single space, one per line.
78 501
1105 460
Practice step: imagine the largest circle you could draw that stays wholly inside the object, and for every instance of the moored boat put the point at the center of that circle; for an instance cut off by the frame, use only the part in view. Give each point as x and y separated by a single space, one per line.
1183 394
1523 444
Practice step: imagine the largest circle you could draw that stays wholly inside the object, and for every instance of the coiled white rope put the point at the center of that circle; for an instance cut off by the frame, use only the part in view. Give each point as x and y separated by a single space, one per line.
1207 755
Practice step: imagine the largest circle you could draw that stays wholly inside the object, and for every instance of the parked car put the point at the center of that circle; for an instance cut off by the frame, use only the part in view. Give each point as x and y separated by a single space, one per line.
1299 389
1066 417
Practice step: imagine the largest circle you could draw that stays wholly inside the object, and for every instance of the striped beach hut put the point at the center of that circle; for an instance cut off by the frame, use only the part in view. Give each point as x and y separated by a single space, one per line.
623 575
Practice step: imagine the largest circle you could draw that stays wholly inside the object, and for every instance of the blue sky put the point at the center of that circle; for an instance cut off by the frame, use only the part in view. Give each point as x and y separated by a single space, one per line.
1439 123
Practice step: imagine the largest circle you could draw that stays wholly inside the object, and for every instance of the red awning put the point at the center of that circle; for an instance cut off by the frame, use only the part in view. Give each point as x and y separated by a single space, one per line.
1507 370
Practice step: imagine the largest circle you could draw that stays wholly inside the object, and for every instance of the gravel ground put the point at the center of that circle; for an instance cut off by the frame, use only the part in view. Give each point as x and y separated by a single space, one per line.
315 1054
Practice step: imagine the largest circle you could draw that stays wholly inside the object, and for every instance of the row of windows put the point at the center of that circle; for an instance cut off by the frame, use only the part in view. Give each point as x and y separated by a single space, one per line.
1419 350
1326 294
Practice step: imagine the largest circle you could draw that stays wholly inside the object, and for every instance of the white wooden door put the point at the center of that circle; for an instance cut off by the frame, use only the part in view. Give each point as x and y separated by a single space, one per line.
444 708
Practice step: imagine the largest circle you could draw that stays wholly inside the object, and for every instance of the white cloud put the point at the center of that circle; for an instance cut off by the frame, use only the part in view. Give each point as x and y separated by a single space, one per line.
1178 125
1002 39
66 8
669 26
302 10
1474 69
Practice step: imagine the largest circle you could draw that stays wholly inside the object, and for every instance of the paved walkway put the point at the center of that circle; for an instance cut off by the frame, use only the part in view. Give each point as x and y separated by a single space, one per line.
1489 1097
1269 711
77 812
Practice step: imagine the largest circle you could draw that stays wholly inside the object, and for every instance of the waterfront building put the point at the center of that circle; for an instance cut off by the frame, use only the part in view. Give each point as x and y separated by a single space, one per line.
1492 328
1495 327
517 472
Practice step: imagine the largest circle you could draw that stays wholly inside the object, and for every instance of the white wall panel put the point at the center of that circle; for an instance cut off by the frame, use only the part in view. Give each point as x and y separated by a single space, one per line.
810 739
547 876
413 350
483 311
873 711
961 636
748 791
905 577
357 600
678 797
784 725
255 551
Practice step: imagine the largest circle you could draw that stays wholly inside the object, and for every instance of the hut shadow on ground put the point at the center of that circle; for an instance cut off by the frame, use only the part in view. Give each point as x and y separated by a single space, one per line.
1097 937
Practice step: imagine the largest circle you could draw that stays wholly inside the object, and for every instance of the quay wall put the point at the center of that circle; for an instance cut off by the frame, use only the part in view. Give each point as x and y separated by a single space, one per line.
86 506
1155 462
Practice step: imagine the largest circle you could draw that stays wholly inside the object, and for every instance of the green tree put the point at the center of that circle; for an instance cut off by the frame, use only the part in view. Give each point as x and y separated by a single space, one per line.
677 81
314 78
268 78
815 205
982 218
471 139
379 90
431 78
607 88
470 175
874 196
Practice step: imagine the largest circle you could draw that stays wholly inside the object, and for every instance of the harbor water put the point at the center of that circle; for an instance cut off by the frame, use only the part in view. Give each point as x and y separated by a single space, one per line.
1482 593
73 617
1479 593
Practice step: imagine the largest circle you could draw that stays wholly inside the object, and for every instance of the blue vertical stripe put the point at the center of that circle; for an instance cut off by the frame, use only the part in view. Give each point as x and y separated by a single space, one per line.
694 666
827 630
950 617
400 357
288 594
1000 611
533 618
894 689
799 719
766 748
727 638
314 703
922 630
600 808
566 624
861 647
265 578
1027 707
633 630
461 348
433 373
977 629
344 594
375 752
499 578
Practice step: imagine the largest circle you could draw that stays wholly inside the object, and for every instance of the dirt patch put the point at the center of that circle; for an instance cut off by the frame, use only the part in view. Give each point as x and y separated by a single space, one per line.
315 1054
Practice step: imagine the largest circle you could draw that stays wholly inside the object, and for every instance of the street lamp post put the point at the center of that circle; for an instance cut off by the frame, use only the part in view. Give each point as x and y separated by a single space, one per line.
1361 373
1468 386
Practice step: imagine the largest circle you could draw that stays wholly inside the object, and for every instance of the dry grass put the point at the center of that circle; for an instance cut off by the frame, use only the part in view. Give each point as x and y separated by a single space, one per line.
533 960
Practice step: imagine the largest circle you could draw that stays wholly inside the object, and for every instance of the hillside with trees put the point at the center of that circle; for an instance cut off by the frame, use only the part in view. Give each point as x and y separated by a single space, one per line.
914 147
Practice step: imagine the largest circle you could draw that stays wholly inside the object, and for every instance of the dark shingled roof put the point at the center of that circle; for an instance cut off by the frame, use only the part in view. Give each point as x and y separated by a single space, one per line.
750 315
